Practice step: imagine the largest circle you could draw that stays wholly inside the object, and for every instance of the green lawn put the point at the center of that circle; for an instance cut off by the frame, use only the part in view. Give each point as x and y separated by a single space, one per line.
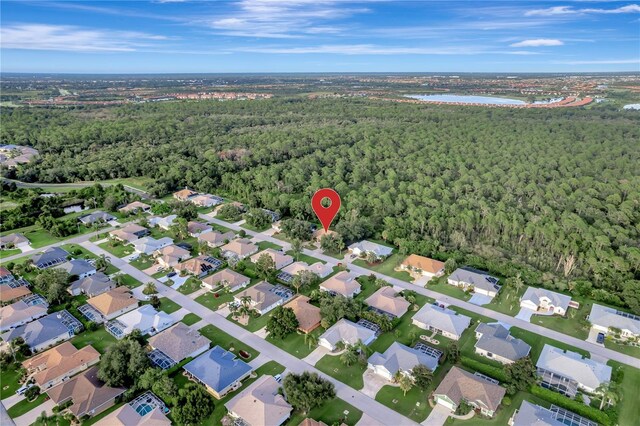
306 258
168 305
331 413
387 267
7 253
294 343
634 351
191 285
628 409
255 323
191 319
220 228
263 245
75 248
351 375
254 228
100 339
57 421
537 342
25 406
441 286
212 302
116 248
10 384
130 282
219 337
142 262
507 301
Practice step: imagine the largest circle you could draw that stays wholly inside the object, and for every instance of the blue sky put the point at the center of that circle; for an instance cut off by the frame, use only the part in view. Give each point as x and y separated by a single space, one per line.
171 36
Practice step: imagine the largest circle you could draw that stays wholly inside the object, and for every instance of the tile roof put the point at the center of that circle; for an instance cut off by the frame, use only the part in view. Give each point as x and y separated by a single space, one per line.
261 295
387 300
8 293
241 247
113 301
178 342
76 267
128 416
21 311
215 237
459 384
59 361
425 264
308 315
227 276
475 278
260 403
280 259
343 283
93 284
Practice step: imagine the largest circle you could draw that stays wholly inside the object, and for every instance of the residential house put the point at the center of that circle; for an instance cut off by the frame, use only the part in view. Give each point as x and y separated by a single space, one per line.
495 342
545 301
239 248
49 257
92 285
215 238
179 342
319 233
260 404
9 294
343 283
264 297
287 273
478 391
441 320
113 303
126 415
13 240
399 358
184 194
475 280
129 233
170 256
135 207
148 245
279 259
421 265
88 395
197 228
58 364
364 247
6 276
47 331
96 217
206 200
22 312
388 302
163 222
603 319
145 318
347 332
275 216
567 372
534 415
308 316
199 266
77 268
218 370
228 278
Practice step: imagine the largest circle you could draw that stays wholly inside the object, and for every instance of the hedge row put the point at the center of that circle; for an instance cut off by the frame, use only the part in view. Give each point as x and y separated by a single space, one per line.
571 405
487 370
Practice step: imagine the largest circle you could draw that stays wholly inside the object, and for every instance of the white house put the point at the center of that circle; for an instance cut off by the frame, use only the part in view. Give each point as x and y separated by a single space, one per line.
163 222
148 245
602 318
145 318
347 332
401 358
545 301
363 247
441 320
472 279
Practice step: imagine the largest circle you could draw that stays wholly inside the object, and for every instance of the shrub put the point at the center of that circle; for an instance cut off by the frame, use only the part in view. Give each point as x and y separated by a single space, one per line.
571 405
488 370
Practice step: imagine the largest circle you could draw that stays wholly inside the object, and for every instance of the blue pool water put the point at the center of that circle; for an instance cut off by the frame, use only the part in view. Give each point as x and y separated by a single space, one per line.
468 99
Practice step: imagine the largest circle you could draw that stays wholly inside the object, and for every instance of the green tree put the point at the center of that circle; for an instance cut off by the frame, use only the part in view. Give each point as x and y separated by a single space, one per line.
296 229
631 295
296 248
52 283
123 363
453 352
265 266
521 375
179 229
150 288
282 322
307 390
404 382
349 356
450 265
257 218
609 393
304 279
229 212
422 376
193 405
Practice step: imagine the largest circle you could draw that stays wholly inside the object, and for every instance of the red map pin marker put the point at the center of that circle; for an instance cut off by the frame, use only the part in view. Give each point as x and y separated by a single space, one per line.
325 214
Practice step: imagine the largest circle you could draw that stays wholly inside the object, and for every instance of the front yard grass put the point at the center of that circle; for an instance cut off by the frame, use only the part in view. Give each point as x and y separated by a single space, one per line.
100 339
212 302
305 258
633 351
191 285
25 406
570 324
7 253
629 409
507 301
130 282
441 286
142 262
294 343
255 228
190 318
263 245
387 267
75 248
117 249
219 337
331 413
351 375
10 378
254 324
168 305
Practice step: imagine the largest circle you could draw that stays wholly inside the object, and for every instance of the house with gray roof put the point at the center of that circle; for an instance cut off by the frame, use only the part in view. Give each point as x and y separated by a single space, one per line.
47 331
495 342
401 358
441 320
534 415
77 268
545 302
96 217
22 312
363 247
92 285
566 371
603 318
13 240
346 332
218 370
179 342
475 280
49 257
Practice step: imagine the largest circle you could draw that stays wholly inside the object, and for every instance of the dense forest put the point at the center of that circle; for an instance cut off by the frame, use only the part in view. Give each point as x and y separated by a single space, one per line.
551 194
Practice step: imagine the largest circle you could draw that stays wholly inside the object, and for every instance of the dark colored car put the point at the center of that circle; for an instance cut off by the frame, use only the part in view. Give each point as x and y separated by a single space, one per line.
600 338
171 274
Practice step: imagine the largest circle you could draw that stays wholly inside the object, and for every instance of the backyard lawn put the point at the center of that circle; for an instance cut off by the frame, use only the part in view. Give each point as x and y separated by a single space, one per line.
25 406
190 319
387 267
331 413
100 339
351 375
191 285
168 305
219 337
629 409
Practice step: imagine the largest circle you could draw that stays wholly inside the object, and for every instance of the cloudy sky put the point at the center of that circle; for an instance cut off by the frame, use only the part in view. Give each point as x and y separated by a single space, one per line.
318 36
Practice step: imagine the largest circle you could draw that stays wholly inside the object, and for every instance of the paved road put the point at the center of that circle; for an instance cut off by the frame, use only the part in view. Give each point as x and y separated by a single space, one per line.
352 396
534 328
5 420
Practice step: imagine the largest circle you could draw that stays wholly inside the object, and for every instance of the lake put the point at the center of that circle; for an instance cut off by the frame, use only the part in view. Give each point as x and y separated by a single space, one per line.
467 99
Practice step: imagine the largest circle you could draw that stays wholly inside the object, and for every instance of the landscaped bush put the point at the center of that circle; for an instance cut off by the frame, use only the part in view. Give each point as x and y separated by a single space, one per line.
485 369
572 405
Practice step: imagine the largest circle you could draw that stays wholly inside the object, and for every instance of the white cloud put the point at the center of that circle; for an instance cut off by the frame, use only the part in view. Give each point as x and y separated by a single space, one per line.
537 42
371 49
569 10
71 38
600 62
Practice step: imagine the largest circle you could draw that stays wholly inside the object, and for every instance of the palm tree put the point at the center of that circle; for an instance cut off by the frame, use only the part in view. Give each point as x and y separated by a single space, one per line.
371 257
311 340
405 382
349 356
150 288
362 349
296 248
609 392
233 308
103 262
119 280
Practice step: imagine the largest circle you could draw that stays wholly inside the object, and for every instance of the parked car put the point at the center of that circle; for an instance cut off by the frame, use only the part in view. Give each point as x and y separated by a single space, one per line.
278 377
171 274
600 338
24 388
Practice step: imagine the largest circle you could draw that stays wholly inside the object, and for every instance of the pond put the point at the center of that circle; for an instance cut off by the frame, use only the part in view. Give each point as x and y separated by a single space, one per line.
467 99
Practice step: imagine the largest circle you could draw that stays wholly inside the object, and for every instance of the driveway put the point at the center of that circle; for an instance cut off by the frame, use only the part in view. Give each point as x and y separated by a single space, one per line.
525 314
593 335
367 420
179 314
315 356
373 383
480 299
259 362
178 281
12 400
262 333
438 416
198 293
30 417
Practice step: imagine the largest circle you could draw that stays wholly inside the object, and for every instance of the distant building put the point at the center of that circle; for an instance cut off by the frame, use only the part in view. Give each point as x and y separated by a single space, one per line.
206 200
240 248
135 207
197 228
129 233
215 238
148 245
163 222
96 217
199 266
13 240
171 255
279 259
184 194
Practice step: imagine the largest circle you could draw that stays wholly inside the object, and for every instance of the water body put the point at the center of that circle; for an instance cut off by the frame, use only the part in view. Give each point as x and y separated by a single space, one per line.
467 99
631 106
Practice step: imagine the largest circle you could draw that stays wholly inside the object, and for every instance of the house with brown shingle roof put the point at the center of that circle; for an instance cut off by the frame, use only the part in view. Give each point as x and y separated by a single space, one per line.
343 283
184 194
129 233
180 342
308 315
459 385
260 404
196 228
279 259
198 266
89 396
422 266
22 312
135 207
239 248
170 256
10 294
227 278
5 275
114 303
215 238
387 301
56 365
